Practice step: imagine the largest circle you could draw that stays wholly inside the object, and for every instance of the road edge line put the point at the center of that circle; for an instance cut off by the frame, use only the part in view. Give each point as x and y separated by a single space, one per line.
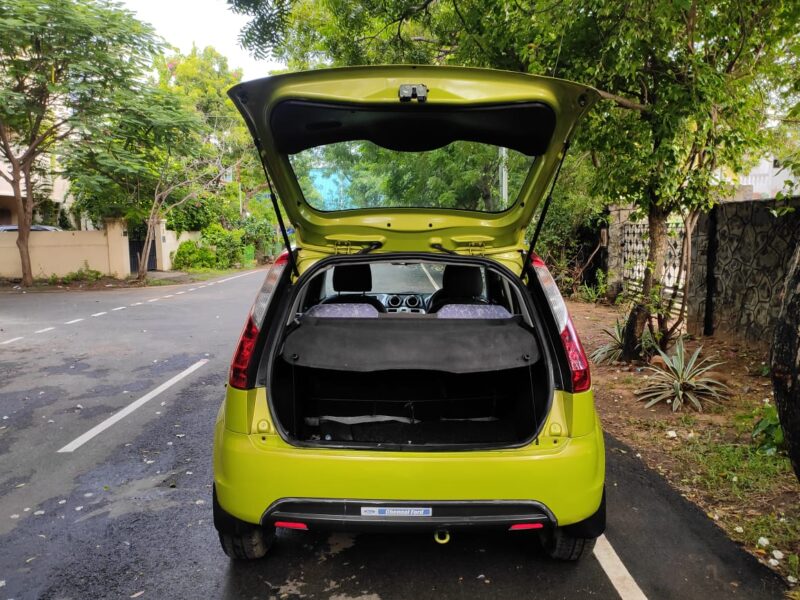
615 570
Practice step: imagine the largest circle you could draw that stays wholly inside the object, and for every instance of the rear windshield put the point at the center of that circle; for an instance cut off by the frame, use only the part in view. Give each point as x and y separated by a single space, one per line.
461 175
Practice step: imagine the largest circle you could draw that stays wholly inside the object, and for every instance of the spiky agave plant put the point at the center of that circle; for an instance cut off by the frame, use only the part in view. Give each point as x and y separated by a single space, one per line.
681 381
611 351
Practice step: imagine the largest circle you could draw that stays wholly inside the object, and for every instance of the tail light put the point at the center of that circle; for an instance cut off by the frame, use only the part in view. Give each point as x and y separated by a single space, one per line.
291 525
240 365
578 363
525 526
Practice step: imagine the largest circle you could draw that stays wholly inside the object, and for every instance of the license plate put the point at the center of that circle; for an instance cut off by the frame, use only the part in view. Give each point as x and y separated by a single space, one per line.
396 511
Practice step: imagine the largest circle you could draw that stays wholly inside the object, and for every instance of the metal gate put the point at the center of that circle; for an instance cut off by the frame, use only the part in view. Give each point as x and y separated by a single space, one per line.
136 247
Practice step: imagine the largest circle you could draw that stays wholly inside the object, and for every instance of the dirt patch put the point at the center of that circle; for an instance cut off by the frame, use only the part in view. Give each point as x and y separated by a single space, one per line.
709 457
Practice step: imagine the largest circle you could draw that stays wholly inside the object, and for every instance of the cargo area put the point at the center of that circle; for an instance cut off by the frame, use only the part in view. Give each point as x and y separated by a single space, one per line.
422 381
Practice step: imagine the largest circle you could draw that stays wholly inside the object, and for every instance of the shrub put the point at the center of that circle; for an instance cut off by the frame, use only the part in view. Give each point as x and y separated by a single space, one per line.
191 255
767 433
83 274
595 293
681 381
227 245
260 233
612 351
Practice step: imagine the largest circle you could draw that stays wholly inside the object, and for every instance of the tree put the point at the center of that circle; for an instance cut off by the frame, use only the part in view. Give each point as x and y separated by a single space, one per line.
167 151
148 159
203 78
785 362
688 83
60 61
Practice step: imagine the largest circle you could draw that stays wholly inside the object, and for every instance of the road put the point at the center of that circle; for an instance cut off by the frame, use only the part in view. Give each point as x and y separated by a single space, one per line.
127 512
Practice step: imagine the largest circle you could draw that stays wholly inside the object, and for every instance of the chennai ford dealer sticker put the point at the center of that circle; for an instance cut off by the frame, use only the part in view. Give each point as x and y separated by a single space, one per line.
395 511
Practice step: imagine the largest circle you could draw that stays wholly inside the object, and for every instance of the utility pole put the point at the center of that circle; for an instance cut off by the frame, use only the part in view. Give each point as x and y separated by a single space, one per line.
504 176
239 182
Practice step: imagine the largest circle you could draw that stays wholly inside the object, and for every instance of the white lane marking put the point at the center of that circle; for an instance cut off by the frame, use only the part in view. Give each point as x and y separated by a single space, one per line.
619 576
192 289
73 321
242 275
118 416
11 340
44 330
100 314
153 300
170 296
179 293
137 303
433 283
119 308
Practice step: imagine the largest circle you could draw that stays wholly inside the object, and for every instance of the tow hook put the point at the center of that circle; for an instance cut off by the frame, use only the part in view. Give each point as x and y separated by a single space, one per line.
442 536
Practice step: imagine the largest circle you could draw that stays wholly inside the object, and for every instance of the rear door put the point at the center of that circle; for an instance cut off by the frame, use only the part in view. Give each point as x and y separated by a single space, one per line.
406 158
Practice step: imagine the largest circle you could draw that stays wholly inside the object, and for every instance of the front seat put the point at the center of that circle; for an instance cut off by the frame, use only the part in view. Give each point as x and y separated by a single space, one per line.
460 285
351 282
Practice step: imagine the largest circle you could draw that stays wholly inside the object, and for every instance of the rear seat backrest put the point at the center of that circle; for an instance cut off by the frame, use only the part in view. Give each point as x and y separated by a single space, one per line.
473 311
343 311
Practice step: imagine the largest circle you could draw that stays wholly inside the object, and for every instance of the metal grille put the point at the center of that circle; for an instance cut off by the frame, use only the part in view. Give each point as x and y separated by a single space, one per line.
634 256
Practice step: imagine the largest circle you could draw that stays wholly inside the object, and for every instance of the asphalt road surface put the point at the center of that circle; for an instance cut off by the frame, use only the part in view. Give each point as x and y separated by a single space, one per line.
125 511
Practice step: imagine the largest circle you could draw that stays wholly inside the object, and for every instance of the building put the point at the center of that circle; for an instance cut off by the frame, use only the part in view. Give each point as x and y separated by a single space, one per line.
59 194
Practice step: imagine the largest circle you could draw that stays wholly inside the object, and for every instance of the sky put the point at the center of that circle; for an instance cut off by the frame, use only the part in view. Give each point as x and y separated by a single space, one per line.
204 23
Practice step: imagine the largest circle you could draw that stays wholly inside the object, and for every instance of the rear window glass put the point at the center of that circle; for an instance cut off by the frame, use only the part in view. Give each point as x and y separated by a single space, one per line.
461 175
402 278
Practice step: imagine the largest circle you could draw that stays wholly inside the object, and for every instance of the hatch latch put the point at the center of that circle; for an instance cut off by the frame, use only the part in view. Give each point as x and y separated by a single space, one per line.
476 248
413 91
342 247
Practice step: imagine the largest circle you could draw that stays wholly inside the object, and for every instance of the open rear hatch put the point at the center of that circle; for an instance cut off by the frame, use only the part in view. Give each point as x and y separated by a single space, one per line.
335 144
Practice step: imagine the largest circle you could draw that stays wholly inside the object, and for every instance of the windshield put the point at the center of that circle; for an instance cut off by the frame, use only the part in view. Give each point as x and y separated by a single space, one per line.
360 174
399 278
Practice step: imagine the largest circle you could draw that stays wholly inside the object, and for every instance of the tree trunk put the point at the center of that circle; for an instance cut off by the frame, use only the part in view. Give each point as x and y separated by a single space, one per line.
23 235
785 362
25 219
148 247
651 283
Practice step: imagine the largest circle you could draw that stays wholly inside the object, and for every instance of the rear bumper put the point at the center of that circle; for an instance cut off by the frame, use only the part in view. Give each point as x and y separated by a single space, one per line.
259 478
375 515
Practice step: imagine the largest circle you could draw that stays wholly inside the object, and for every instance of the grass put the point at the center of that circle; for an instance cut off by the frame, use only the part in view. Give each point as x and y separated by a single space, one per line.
197 275
743 483
731 469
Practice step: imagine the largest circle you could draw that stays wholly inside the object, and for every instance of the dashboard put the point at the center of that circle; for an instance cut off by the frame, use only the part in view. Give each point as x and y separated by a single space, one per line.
404 302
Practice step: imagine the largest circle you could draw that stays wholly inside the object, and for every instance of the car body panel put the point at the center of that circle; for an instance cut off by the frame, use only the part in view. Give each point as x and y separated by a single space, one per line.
254 467
411 229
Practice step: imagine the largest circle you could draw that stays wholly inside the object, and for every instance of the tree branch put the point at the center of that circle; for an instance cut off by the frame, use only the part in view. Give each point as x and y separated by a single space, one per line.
623 102
49 132
7 145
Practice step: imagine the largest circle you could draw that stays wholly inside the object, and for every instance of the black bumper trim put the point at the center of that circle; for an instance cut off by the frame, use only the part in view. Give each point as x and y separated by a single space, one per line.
346 514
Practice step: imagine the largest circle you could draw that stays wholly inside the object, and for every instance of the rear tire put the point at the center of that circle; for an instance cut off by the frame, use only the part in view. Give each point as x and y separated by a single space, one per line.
560 545
251 544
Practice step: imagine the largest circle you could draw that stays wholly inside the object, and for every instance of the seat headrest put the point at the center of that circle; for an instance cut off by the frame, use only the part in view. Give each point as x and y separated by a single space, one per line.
460 281
352 278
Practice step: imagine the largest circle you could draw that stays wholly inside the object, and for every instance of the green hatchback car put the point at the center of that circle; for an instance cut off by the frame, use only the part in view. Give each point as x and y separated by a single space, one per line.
409 363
